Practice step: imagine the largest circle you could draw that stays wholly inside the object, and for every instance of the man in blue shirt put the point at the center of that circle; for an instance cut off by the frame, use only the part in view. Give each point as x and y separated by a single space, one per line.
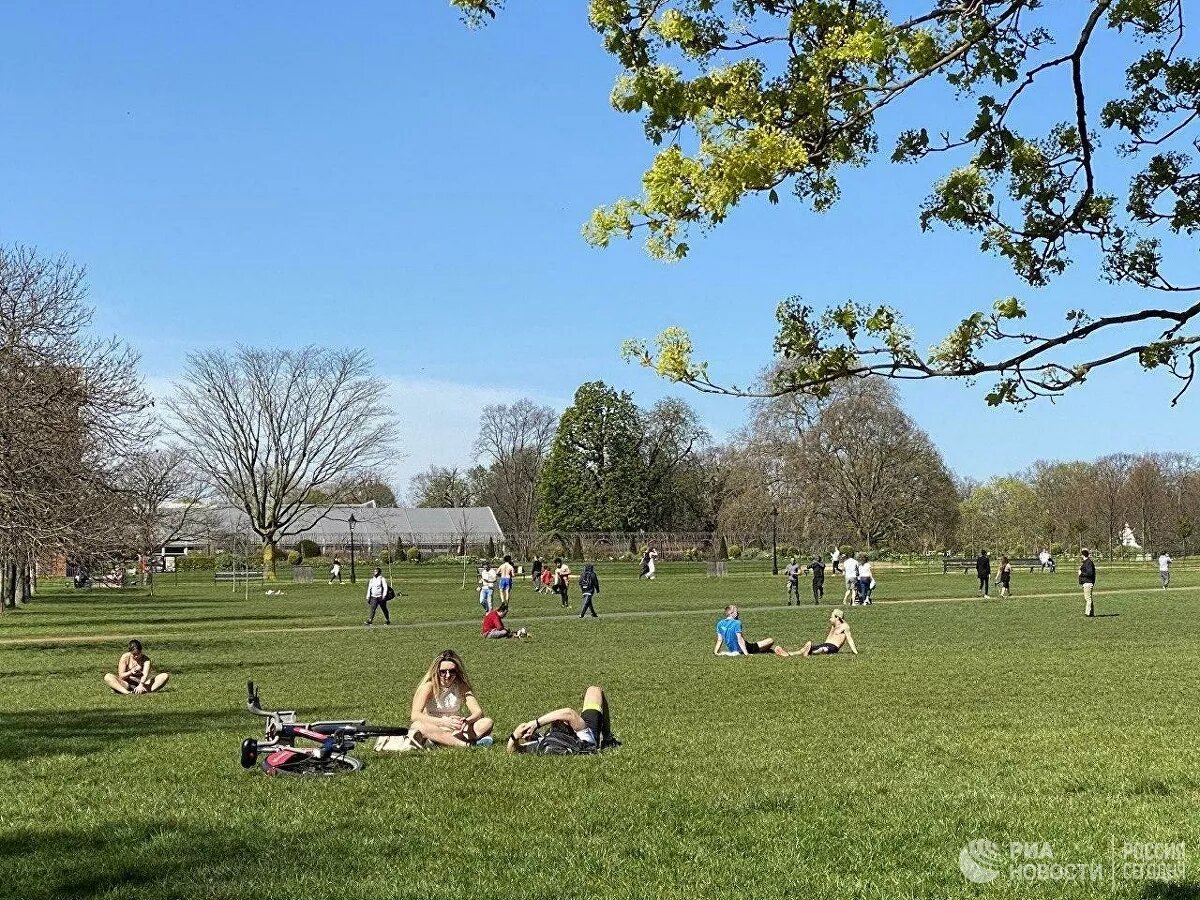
730 637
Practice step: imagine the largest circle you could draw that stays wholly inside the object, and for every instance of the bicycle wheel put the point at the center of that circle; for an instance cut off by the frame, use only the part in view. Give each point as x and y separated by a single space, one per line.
304 765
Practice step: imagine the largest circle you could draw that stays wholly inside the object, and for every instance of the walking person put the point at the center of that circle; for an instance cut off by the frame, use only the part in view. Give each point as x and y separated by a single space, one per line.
1164 570
651 563
487 584
835 556
983 568
379 592
335 571
850 573
589 584
1087 578
562 580
792 574
1005 576
645 570
506 572
535 572
866 581
817 567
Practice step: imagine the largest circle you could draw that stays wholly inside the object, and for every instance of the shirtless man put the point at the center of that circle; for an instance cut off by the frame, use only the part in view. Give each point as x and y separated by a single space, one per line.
506 572
134 675
839 635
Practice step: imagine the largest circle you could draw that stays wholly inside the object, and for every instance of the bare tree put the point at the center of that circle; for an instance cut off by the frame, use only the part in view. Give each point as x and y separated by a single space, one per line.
266 428
72 410
439 486
162 491
513 442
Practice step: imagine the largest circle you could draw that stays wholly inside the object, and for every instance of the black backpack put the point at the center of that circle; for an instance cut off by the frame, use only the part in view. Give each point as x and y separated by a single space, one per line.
587 582
389 594
559 740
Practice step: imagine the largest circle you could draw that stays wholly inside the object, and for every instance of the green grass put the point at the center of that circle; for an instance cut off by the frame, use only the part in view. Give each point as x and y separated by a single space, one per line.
859 776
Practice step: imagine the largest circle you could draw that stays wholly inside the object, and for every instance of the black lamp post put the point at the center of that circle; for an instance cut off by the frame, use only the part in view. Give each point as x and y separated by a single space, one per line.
774 540
352 522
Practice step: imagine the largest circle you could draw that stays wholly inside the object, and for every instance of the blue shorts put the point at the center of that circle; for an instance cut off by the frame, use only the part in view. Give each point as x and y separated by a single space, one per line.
505 584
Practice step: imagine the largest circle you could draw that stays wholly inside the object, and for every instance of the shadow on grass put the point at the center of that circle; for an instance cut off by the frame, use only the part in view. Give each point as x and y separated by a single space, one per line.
144 860
31 733
1158 890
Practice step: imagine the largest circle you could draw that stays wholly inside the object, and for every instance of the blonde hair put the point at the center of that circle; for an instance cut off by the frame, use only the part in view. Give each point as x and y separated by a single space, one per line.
460 677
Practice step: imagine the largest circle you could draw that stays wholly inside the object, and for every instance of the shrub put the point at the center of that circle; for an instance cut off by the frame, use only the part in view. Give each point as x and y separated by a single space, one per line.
577 548
413 554
689 554
293 557
385 557
196 562
733 551
308 549
491 548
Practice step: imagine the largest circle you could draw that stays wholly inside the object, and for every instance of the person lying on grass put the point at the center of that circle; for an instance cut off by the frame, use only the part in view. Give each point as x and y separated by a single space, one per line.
493 625
839 635
438 704
729 636
565 732
134 675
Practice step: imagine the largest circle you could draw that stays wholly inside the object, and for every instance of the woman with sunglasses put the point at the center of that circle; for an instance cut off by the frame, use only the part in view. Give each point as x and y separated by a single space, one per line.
437 706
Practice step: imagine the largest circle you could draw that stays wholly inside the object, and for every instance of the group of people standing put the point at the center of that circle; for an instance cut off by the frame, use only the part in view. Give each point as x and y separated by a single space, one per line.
556 579
858 573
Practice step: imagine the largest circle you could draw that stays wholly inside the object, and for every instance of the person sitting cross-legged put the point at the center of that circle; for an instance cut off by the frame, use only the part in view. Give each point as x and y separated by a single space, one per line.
493 625
838 636
134 675
565 732
734 643
437 707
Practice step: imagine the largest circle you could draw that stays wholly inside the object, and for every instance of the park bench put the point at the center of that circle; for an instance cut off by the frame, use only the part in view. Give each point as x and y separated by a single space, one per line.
238 575
967 564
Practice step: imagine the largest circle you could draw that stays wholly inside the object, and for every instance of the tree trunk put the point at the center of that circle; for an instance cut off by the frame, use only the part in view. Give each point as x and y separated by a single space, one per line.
268 556
24 587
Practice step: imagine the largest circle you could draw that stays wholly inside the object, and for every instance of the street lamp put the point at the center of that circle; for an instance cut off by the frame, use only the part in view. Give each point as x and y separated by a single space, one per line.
352 522
774 540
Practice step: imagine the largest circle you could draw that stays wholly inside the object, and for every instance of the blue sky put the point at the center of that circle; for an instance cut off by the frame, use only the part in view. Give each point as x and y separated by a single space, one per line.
383 177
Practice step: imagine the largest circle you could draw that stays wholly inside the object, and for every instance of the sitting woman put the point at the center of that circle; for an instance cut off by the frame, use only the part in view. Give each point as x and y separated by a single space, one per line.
134 675
438 704
565 732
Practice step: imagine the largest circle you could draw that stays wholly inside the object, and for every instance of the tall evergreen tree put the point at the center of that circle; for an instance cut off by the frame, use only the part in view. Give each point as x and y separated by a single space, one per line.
593 479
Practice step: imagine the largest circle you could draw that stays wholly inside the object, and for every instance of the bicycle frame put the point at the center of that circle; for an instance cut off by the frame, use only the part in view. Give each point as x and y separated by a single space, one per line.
281 756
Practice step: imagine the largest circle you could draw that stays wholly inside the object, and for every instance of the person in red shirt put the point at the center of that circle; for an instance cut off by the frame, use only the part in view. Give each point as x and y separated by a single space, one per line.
493 625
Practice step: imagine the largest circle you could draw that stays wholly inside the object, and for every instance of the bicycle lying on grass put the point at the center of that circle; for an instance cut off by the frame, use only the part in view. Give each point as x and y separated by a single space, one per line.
333 740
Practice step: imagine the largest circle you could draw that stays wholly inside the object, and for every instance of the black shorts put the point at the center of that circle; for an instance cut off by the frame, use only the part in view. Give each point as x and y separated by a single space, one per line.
752 647
593 720
824 649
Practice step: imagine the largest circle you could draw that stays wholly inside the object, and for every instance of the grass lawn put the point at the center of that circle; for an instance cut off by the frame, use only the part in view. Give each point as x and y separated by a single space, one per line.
856 777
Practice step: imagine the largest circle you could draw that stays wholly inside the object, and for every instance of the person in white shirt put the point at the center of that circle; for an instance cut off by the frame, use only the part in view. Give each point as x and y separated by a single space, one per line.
866 582
1164 570
377 597
835 557
1044 559
850 573
487 583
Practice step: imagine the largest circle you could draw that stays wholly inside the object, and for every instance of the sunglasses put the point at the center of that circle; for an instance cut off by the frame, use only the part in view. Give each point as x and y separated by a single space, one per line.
453 670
